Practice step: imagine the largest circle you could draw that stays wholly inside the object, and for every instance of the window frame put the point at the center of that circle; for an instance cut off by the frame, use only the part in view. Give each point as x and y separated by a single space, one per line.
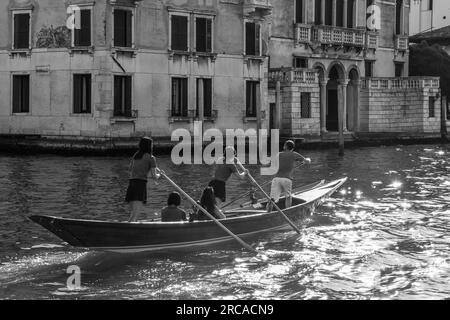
396 64
432 107
13 74
90 7
309 110
304 12
297 58
196 97
18 12
80 73
188 42
257 23
372 63
114 75
133 26
172 115
201 16
255 82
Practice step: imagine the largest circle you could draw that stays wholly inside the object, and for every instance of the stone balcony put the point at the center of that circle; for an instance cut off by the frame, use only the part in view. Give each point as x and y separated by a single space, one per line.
261 7
288 76
401 43
401 83
329 35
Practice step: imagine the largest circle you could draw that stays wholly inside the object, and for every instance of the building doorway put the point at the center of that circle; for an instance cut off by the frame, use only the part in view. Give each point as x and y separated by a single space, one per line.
332 100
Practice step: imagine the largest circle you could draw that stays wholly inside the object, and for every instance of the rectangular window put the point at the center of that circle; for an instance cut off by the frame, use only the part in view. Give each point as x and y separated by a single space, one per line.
203 34
251 97
21 94
252 39
300 62
318 12
82 36
305 105
398 70
122 96
368 69
350 8
398 16
179 97
340 13
328 13
206 85
123 28
21 30
82 93
431 106
179 33
299 11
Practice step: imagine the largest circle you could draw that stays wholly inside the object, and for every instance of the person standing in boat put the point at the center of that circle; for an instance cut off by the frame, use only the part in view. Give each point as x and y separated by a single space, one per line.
142 166
282 183
224 168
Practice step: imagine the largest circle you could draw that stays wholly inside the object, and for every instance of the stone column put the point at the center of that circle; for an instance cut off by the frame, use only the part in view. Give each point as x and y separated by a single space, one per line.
323 105
345 13
334 13
342 100
356 103
322 13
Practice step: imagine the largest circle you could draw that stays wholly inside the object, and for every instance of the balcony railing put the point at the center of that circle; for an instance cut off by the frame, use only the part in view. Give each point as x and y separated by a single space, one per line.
401 43
293 75
401 83
335 36
262 6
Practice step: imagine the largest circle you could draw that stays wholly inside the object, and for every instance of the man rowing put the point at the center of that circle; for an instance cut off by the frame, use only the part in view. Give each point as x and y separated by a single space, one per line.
282 183
224 168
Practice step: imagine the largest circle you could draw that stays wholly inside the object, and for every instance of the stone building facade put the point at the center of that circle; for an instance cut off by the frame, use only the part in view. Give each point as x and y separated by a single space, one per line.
361 65
104 69
131 67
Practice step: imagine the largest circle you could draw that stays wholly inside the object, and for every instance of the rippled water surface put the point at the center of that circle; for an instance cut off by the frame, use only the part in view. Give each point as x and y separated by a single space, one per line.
384 235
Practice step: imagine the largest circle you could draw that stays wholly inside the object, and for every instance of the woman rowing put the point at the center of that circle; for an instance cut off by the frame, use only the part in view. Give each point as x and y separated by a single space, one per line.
224 168
142 166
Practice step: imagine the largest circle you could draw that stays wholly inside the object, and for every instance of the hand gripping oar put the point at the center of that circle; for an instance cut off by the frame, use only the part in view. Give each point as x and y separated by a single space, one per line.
248 192
241 242
270 199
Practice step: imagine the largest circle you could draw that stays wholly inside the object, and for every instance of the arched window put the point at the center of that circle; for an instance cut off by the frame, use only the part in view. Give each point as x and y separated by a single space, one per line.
399 17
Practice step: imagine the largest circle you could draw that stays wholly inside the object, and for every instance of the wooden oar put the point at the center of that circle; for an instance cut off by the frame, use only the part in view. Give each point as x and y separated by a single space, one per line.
270 199
241 242
247 193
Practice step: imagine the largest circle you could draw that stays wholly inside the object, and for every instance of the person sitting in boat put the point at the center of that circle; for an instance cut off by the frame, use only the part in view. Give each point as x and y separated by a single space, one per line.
208 202
224 168
142 166
172 213
282 183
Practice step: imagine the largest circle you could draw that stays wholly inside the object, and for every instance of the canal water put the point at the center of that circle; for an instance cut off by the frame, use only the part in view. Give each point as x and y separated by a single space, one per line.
384 235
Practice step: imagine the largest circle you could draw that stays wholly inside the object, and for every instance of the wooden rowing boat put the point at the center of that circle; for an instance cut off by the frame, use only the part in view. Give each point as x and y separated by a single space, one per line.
163 236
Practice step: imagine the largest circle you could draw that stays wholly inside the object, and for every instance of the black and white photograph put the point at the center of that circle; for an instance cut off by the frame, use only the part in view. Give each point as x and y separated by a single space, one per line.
235 152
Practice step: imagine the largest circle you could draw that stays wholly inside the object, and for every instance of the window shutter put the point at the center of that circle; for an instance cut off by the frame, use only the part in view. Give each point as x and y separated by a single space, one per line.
129 28
117 96
85 32
87 102
128 96
249 38
22 31
77 94
25 94
16 94
257 40
184 103
207 98
119 29
208 35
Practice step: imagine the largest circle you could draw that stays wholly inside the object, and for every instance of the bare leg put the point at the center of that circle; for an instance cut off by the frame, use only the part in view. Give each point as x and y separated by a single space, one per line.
269 206
135 208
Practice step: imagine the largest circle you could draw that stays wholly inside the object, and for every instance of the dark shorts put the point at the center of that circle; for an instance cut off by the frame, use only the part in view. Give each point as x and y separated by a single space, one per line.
137 191
219 189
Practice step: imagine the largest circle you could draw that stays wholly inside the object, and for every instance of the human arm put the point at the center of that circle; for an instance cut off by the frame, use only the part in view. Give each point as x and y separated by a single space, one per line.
300 158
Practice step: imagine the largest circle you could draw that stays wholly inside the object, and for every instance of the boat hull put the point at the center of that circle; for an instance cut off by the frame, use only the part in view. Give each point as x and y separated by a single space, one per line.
156 236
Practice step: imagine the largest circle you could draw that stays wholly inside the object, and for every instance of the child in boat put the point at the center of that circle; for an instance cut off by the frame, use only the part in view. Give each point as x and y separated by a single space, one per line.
142 166
208 202
172 213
